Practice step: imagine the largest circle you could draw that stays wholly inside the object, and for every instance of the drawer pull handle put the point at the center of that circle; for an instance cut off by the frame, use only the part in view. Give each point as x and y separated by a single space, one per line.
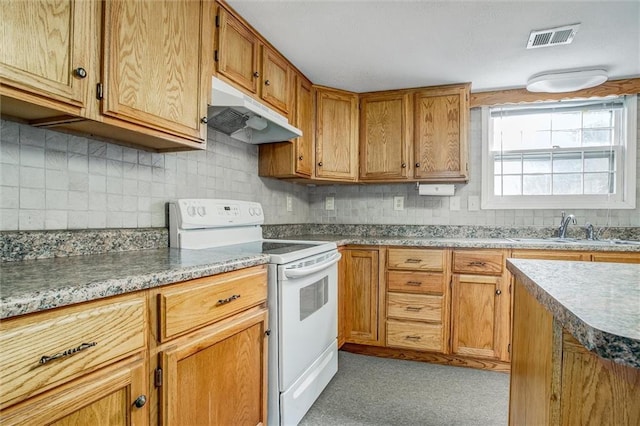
413 261
477 263
228 299
413 337
414 283
46 358
413 308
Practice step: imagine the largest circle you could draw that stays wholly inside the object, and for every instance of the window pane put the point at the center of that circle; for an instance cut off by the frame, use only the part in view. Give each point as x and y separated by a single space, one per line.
567 162
565 139
536 184
536 139
599 161
566 120
591 119
567 184
596 137
512 185
511 164
536 163
497 185
598 183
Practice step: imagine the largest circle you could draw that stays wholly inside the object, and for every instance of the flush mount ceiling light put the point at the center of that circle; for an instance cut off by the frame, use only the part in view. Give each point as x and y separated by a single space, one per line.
562 82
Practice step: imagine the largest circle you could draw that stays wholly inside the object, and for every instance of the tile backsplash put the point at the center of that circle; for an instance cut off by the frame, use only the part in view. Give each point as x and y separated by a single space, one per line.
53 180
373 204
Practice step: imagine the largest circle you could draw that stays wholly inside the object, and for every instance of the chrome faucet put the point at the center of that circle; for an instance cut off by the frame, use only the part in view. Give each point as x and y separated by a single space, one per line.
564 224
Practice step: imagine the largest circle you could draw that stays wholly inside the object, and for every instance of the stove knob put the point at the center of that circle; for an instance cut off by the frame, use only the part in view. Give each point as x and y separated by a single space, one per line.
258 211
202 211
191 211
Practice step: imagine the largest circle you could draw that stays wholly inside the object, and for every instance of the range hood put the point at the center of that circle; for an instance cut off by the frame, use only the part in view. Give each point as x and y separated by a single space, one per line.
242 117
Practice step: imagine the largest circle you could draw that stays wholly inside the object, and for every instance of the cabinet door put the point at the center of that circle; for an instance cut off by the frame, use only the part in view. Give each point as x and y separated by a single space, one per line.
276 80
440 126
361 295
155 69
616 257
480 312
384 136
336 134
304 120
108 397
237 52
550 255
44 43
218 376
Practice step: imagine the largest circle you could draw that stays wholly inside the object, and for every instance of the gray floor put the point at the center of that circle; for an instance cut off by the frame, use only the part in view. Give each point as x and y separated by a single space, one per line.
377 391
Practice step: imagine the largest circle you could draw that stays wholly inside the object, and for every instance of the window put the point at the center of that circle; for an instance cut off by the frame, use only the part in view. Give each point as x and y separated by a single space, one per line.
569 154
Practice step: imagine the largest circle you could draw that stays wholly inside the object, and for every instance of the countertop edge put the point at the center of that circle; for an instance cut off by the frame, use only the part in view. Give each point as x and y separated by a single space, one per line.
605 344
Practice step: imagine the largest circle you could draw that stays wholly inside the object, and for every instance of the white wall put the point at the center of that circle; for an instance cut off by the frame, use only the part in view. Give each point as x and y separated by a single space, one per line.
52 180
374 203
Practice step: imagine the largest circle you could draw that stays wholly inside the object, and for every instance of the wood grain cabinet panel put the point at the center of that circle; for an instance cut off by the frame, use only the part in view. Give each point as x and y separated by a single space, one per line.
441 124
416 282
415 259
154 54
485 262
414 307
415 335
77 340
276 80
336 134
550 255
627 257
45 49
385 136
217 376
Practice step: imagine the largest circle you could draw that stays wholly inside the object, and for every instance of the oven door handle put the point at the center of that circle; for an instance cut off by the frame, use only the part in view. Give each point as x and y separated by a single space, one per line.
303 272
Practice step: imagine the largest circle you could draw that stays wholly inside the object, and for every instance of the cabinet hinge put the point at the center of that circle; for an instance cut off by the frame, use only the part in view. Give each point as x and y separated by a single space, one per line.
217 21
157 377
215 55
99 91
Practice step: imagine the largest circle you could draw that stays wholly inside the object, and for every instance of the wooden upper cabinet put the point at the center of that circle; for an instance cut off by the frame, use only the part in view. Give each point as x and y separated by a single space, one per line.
155 72
385 138
238 50
336 134
276 80
45 52
441 133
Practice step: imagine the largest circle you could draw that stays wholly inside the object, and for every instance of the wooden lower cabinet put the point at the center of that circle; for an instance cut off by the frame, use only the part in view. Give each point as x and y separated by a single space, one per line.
218 376
557 381
112 396
627 257
361 296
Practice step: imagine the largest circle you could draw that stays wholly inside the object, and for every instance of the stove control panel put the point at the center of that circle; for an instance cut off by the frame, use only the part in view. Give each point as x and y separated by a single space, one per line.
195 213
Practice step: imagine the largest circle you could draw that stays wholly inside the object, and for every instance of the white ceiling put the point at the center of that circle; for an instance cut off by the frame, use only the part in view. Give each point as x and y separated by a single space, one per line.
363 46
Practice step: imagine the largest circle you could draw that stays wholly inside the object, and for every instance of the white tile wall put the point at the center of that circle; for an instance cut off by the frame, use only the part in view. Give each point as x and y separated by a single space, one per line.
52 180
373 204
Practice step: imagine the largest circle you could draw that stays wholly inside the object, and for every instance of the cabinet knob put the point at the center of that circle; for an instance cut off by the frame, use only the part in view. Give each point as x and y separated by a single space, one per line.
80 72
267 83
256 74
140 401
300 158
498 292
417 164
320 164
267 332
204 120
404 165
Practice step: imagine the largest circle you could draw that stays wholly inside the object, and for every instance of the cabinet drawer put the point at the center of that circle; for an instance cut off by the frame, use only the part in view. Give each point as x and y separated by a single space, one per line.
414 335
415 282
418 307
200 302
478 262
80 339
415 259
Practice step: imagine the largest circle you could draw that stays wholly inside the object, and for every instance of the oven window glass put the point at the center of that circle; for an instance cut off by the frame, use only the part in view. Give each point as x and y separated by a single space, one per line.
313 297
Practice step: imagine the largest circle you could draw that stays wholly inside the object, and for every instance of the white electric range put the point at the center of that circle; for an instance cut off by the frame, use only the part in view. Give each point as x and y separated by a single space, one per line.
302 297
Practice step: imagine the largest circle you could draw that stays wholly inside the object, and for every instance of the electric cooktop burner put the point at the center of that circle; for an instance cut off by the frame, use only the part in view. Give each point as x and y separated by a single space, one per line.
282 248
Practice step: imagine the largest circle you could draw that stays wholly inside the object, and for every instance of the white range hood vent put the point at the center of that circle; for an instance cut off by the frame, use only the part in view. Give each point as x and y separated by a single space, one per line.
243 118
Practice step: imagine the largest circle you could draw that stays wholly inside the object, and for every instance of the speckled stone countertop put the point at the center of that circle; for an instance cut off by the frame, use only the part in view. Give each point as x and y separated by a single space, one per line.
598 303
36 285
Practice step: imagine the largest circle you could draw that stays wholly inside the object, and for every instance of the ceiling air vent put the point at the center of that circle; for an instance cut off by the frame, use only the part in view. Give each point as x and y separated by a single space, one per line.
552 36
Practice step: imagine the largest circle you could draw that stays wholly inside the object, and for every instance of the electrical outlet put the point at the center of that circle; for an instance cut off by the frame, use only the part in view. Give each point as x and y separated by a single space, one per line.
289 203
454 203
473 203
329 203
398 203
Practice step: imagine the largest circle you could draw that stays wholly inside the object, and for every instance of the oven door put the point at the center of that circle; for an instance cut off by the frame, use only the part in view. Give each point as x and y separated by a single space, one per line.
308 313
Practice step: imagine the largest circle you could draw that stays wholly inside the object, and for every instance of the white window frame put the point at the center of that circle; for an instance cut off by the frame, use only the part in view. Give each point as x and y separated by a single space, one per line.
625 197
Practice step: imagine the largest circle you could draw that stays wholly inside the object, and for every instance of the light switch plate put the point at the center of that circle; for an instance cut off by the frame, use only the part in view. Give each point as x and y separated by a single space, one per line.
329 203
398 203
454 203
289 203
473 203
